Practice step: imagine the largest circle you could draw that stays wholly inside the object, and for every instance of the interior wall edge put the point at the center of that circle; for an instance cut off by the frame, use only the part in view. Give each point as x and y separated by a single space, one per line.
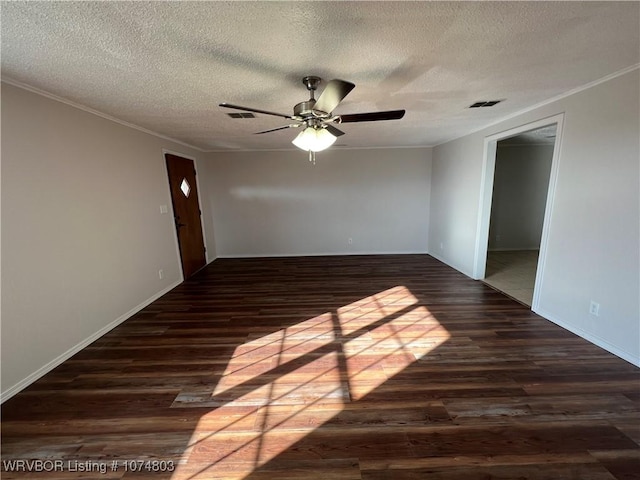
595 199
454 266
531 248
79 106
326 254
358 202
106 184
548 101
590 337
24 383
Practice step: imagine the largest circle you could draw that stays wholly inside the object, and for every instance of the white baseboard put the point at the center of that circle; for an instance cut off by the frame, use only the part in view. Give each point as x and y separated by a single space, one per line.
448 264
328 254
598 341
21 385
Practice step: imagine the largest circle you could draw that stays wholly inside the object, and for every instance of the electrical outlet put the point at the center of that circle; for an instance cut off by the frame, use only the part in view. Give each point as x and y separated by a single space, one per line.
594 309
164 209
161 274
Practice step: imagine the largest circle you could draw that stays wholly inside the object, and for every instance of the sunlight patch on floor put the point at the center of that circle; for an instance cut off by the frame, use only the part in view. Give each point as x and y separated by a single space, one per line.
390 348
280 387
369 310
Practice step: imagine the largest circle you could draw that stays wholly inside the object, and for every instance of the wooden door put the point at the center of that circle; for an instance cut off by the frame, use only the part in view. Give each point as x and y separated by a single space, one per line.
186 211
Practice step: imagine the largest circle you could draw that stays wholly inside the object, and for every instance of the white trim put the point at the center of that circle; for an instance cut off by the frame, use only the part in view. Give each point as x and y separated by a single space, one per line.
84 108
22 384
524 145
449 264
79 106
489 151
598 341
515 249
326 254
534 125
178 154
556 98
204 233
568 93
486 193
548 212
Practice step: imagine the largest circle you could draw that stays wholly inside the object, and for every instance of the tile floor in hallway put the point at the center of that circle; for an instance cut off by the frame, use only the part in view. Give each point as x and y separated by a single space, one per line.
513 272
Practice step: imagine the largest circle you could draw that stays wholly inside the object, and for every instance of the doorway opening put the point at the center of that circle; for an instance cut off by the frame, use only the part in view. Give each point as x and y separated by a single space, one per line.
519 180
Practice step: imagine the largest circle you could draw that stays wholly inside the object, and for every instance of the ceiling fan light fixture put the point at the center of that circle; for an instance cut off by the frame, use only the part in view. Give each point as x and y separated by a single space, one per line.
316 115
314 139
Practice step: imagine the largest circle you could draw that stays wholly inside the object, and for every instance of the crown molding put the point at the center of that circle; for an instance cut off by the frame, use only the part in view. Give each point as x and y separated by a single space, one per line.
51 96
556 98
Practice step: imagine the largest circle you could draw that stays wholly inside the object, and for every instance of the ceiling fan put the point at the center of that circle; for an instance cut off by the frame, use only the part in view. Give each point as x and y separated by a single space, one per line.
317 117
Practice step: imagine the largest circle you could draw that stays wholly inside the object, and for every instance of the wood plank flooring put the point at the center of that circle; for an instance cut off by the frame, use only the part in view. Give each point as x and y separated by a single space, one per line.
360 367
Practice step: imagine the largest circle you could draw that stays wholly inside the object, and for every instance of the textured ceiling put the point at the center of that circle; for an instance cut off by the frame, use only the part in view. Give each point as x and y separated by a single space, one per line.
165 66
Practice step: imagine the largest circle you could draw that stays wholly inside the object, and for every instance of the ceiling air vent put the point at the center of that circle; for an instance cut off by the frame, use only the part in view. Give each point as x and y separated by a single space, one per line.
485 103
241 115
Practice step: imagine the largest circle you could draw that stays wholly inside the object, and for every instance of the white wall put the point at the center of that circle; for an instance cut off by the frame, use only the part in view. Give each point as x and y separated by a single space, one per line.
594 232
520 186
278 203
455 175
82 238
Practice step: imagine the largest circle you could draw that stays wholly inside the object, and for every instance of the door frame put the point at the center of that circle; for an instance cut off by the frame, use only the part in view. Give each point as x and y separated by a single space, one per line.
172 213
486 197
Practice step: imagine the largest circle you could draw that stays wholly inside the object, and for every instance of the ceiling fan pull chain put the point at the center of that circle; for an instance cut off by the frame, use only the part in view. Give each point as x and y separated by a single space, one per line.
312 157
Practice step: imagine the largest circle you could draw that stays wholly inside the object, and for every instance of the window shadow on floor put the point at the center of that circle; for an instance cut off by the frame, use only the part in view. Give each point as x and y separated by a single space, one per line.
326 367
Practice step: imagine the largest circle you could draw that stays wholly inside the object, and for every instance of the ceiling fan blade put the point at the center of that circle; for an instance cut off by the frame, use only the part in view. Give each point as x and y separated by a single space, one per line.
332 95
334 131
256 110
372 116
276 129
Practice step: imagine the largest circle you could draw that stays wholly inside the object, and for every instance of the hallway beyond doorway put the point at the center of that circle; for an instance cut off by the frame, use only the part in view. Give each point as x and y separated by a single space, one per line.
513 272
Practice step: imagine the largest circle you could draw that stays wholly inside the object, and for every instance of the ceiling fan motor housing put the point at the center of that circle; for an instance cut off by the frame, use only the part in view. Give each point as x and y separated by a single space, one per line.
318 114
304 109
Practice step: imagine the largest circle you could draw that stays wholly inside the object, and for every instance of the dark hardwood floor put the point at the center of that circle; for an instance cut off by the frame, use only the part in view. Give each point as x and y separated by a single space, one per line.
363 367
